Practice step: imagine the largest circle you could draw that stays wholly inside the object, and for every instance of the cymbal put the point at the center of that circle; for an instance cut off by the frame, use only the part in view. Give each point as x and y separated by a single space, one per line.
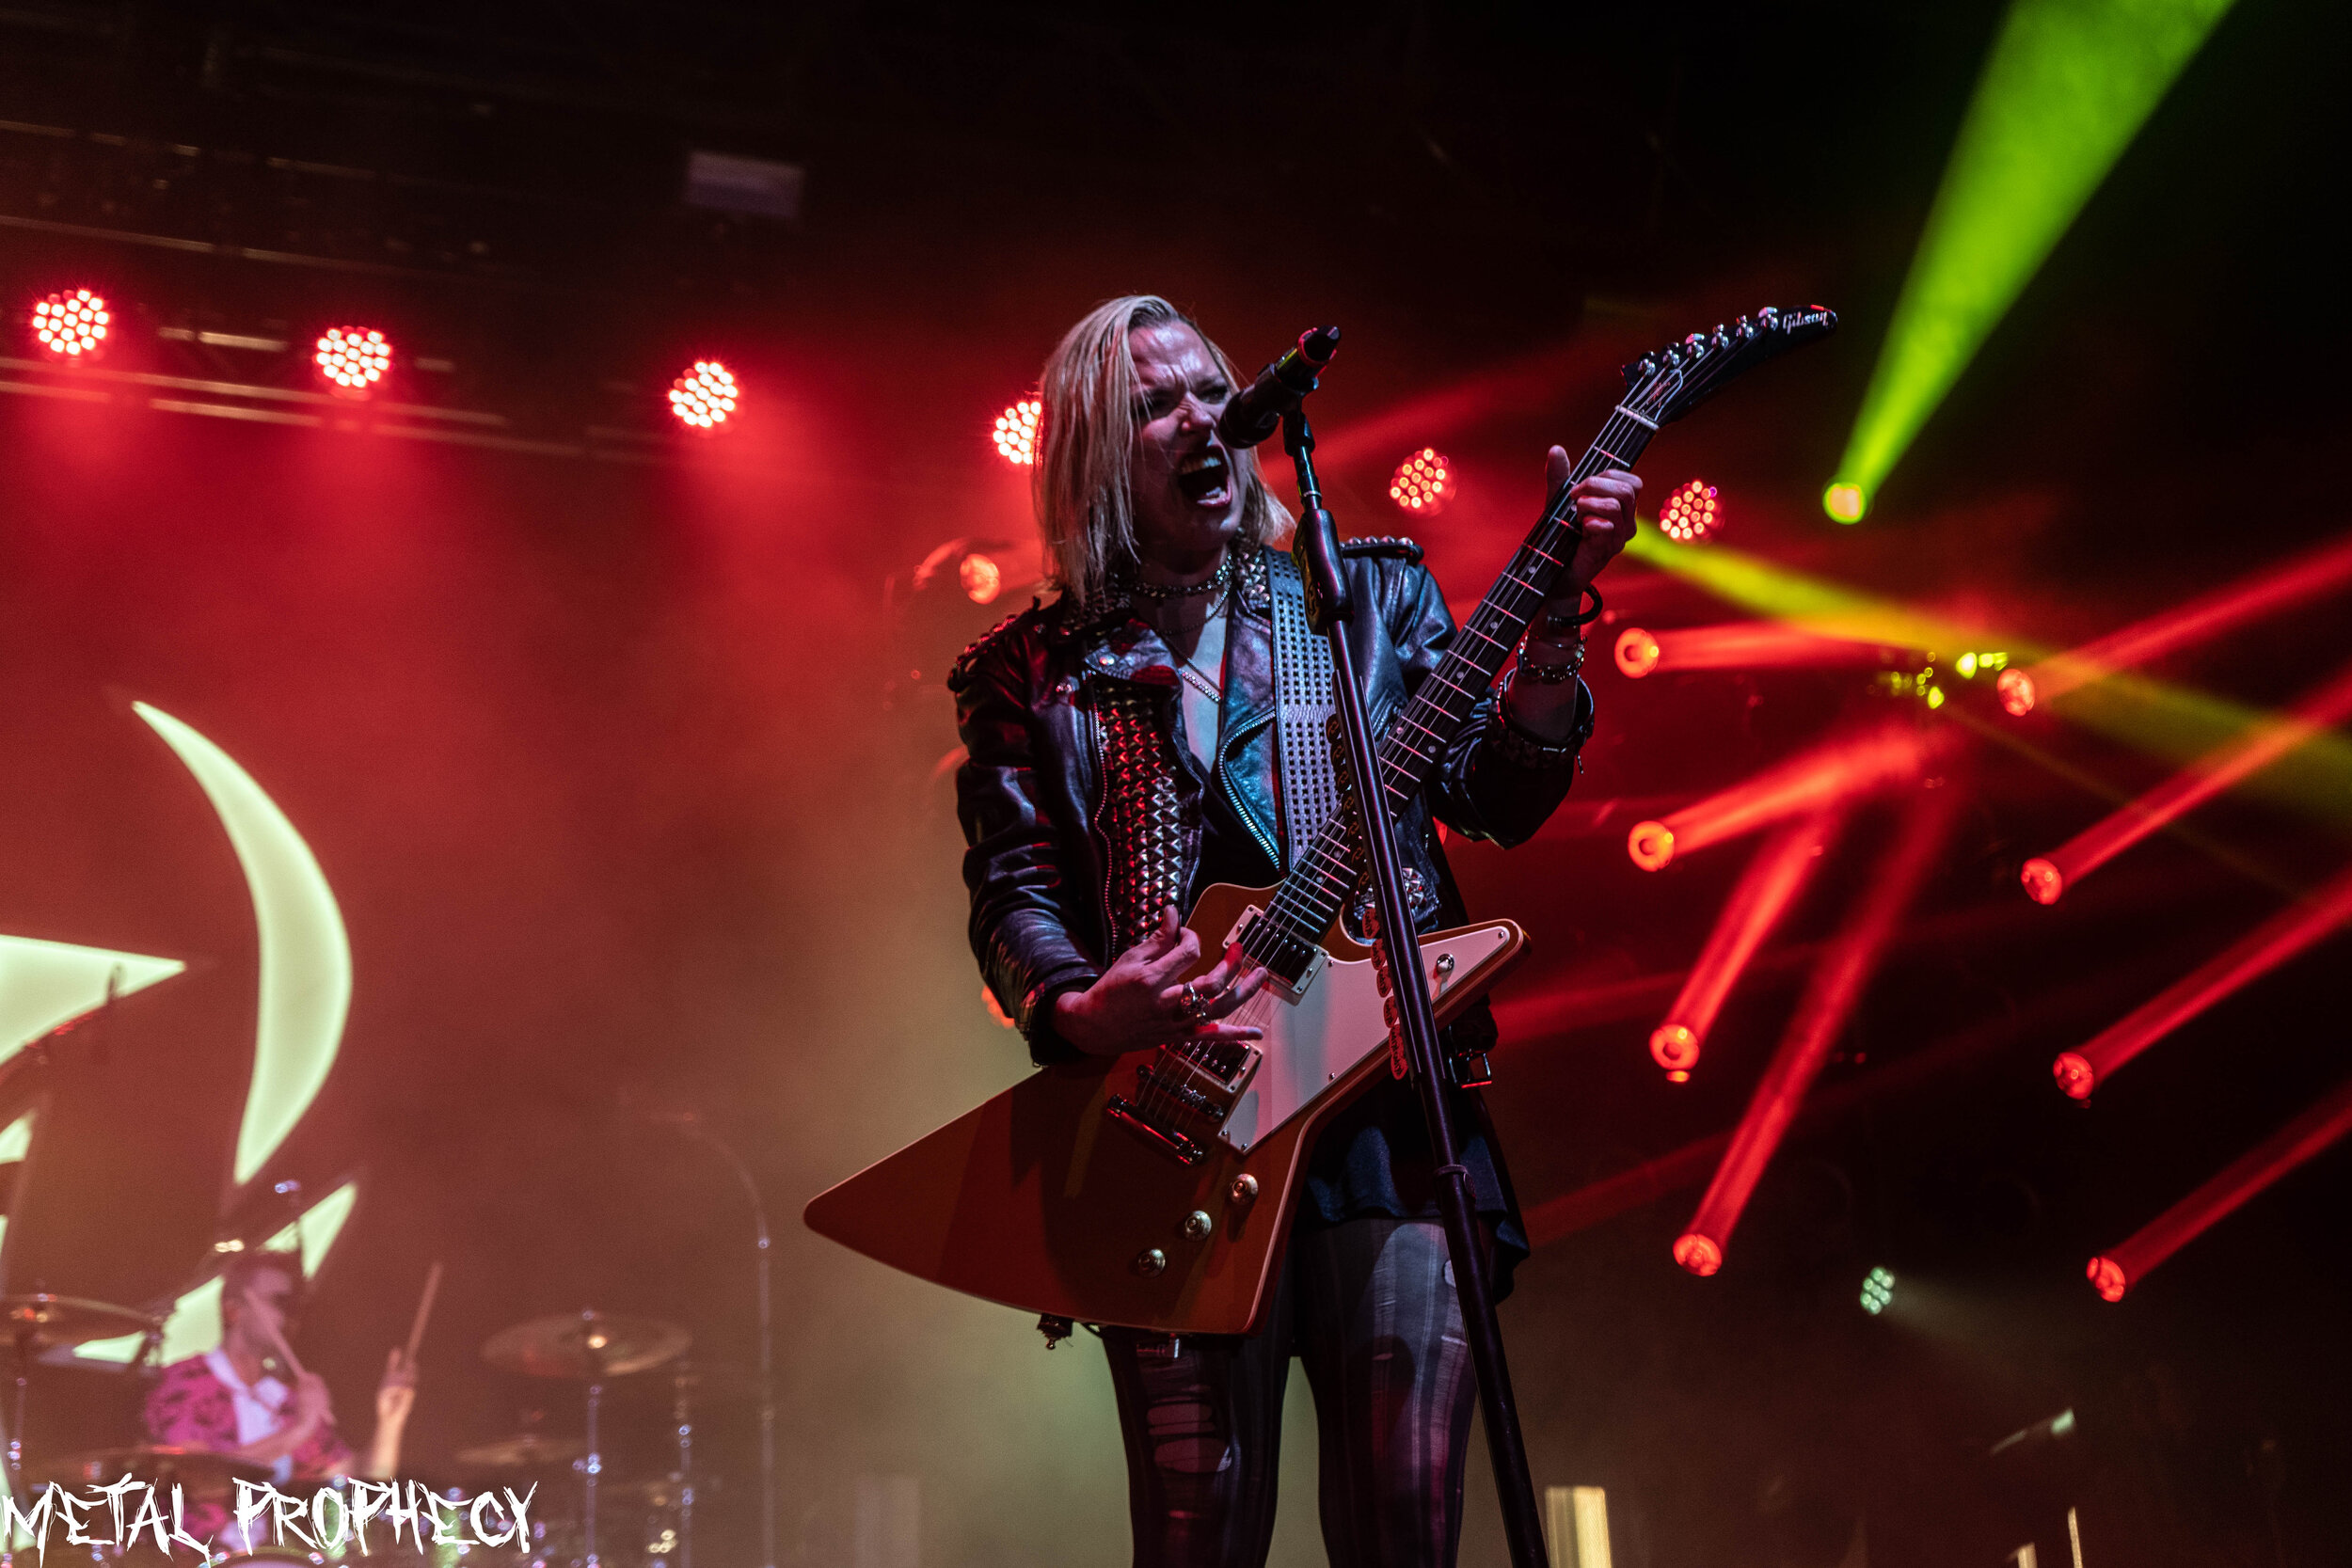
202 1472
586 1344
42 1319
525 1450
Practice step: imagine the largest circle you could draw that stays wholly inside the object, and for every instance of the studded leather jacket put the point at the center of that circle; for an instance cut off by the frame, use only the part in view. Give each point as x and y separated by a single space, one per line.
1030 698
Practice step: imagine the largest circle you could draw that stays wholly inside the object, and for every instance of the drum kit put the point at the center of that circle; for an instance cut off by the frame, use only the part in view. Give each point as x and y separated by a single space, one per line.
574 1525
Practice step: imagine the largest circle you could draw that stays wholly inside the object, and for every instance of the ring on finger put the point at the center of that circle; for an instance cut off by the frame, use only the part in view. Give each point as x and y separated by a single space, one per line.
1192 1002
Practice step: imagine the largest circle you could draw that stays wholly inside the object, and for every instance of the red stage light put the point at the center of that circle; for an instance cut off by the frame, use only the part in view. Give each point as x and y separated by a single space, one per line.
1016 434
1818 778
1698 1254
1741 645
1763 894
1691 513
1651 845
353 357
2116 1270
2017 692
1637 653
1828 1000
2252 956
1423 484
705 397
70 324
2261 744
1675 1048
981 577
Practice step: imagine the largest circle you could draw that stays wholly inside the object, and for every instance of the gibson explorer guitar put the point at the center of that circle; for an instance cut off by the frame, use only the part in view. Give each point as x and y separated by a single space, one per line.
1154 1190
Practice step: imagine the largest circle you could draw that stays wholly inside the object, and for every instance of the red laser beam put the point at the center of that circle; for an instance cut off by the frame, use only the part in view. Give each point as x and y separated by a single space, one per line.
2249 958
2046 877
2115 1272
1741 646
1828 773
1762 895
1635 1186
2263 592
1828 1000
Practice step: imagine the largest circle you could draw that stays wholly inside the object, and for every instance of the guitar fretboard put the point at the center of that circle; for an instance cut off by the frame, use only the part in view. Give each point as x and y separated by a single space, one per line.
1417 739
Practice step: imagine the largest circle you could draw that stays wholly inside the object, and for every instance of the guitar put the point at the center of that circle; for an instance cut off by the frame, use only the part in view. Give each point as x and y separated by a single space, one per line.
1155 1190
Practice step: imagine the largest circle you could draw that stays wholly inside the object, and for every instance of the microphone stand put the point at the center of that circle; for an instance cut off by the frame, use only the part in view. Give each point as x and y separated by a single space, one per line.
1329 611
692 1127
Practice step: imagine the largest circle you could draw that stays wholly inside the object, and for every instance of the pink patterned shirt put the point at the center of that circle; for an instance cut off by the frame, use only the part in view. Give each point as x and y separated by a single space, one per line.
192 1408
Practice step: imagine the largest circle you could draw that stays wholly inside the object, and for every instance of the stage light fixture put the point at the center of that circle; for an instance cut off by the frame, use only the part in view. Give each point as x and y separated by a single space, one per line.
353 359
1692 513
1637 653
1698 1254
1423 484
981 577
2016 692
1878 1289
705 396
70 324
1674 1046
1843 502
1016 434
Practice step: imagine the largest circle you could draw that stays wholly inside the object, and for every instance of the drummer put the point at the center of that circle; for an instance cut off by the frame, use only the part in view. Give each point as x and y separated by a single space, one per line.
235 1399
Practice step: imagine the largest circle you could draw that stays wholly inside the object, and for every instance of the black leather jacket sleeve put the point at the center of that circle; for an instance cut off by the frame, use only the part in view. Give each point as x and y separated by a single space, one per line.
1475 790
1013 866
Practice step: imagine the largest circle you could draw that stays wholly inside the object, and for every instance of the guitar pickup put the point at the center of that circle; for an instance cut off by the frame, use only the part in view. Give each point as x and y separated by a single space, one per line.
1290 962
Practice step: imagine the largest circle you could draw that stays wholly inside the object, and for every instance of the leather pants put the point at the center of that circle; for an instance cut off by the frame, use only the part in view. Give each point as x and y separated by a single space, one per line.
1369 1306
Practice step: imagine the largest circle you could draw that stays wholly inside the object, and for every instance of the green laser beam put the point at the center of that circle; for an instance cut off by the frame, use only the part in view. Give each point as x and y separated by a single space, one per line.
2176 724
2067 86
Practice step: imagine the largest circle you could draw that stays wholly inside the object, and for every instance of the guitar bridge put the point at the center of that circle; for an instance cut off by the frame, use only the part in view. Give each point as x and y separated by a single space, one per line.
1183 1095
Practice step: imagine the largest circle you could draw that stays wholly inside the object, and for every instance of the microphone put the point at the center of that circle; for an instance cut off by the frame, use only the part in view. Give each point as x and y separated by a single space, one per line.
1255 412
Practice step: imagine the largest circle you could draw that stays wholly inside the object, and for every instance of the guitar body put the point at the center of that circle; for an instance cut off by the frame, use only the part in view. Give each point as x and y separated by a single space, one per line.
1043 1200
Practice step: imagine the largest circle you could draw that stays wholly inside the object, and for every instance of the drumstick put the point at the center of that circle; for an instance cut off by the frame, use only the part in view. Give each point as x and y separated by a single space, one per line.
424 1310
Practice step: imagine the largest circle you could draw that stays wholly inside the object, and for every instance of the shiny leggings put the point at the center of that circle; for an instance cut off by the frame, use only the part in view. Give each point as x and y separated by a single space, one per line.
1369 1306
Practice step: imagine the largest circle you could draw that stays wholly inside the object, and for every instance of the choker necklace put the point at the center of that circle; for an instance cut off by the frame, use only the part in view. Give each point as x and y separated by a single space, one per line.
1214 583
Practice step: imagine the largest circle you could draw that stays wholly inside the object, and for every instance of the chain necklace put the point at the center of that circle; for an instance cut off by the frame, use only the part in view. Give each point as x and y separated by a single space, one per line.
1211 687
1214 583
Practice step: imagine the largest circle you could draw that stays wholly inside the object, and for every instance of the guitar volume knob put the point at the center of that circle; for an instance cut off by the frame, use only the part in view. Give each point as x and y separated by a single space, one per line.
1198 1225
1150 1261
1244 1191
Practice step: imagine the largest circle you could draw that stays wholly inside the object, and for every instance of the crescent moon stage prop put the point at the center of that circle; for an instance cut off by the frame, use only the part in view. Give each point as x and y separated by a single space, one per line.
305 998
306 956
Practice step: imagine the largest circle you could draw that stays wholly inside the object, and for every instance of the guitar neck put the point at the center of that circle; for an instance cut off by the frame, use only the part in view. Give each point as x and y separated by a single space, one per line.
1421 734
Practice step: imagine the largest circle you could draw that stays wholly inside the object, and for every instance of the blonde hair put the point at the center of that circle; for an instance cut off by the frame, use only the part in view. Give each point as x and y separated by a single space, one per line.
1085 504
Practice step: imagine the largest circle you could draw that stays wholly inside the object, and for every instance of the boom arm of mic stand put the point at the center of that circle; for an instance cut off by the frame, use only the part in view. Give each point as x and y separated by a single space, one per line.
1329 609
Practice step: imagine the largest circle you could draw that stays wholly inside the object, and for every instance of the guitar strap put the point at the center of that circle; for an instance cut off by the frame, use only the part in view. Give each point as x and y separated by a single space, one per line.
1307 778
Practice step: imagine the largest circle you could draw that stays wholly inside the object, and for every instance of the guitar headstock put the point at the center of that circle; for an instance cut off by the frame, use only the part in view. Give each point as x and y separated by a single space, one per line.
1665 385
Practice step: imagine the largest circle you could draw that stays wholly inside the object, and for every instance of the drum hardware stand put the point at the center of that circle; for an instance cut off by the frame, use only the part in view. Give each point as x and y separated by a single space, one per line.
1329 609
683 1413
591 1348
690 1124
